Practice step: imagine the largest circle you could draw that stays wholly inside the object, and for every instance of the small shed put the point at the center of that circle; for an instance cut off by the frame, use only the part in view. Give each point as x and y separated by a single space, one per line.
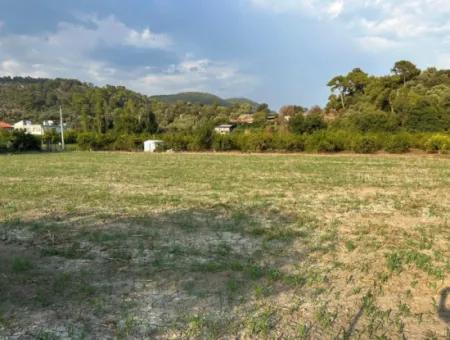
152 145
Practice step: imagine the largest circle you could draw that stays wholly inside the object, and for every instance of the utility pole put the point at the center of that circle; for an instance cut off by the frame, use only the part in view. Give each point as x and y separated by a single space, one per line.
62 127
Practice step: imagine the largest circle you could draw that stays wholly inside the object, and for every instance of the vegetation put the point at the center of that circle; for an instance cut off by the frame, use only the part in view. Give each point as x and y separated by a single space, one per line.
364 114
17 141
129 245
407 99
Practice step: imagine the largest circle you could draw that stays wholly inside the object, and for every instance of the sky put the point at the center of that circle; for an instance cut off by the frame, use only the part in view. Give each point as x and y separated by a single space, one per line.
274 51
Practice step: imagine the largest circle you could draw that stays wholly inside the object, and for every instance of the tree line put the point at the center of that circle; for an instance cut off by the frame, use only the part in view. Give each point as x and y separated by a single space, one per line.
407 107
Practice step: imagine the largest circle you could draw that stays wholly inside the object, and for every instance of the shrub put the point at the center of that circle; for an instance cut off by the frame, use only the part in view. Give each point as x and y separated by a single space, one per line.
306 124
177 141
400 143
288 142
223 142
325 142
256 141
126 142
365 144
95 141
70 136
438 143
23 141
4 141
367 118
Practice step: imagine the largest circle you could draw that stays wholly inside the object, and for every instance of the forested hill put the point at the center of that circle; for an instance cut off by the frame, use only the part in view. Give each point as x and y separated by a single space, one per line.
90 108
406 98
202 98
85 106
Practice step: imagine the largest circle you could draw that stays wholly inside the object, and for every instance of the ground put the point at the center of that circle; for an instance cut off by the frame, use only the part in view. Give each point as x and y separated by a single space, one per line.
128 245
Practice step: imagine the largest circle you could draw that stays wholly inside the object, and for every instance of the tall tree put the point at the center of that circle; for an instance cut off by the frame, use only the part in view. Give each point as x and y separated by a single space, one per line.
406 70
339 84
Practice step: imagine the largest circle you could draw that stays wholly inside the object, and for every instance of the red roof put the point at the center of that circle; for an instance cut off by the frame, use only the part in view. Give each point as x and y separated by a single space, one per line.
4 125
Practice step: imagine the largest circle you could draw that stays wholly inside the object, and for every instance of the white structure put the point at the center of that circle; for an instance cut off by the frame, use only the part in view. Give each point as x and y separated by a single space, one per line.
224 129
50 125
29 127
152 145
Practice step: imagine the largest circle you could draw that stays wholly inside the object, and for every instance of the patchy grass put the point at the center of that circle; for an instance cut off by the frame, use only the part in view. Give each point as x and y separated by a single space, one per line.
121 245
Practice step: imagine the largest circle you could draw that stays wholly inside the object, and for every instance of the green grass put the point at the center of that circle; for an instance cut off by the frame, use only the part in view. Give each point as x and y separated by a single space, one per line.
214 245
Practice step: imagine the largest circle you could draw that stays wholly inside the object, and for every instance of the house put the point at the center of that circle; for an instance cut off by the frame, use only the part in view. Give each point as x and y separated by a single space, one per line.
272 117
152 145
5 126
29 127
243 119
224 129
51 125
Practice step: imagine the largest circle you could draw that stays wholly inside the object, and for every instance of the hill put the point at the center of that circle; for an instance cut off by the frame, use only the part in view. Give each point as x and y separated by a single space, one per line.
202 98
91 108
192 97
234 101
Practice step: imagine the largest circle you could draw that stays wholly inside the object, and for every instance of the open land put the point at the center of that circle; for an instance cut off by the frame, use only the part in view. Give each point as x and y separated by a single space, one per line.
129 245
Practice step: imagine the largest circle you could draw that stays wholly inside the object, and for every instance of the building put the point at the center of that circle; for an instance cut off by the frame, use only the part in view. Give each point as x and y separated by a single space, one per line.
152 145
245 118
51 125
5 126
29 127
224 129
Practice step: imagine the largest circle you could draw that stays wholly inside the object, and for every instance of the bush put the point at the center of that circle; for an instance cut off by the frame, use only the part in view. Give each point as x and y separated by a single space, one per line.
256 141
23 141
223 143
127 143
70 136
400 143
306 124
95 141
177 141
4 141
438 143
288 142
365 144
365 117
326 142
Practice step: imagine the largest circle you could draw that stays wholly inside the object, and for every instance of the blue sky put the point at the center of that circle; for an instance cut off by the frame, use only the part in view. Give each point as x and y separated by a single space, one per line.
274 51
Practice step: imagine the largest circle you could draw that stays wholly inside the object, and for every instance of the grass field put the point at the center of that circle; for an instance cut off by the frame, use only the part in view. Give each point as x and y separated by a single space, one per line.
117 245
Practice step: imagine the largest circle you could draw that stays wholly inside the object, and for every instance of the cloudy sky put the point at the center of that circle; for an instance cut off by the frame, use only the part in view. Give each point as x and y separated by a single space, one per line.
274 51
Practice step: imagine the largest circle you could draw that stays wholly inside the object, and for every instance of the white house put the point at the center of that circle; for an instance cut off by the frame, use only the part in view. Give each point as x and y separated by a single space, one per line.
152 145
29 127
51 125
224 129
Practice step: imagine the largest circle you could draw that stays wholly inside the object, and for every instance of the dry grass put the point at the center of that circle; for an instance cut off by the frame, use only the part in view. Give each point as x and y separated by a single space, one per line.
118 245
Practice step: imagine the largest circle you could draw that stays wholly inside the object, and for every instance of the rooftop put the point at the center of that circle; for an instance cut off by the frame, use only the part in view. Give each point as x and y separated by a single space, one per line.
4 125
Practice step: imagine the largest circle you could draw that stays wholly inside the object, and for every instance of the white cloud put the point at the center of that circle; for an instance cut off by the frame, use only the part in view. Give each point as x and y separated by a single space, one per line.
336 8
196 75
69 52
378 23
319 8
376 44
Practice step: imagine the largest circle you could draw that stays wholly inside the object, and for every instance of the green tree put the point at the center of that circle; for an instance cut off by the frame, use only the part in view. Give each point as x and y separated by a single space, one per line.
405 70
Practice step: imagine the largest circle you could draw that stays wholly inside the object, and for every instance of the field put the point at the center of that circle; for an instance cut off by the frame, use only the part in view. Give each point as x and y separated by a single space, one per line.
123 245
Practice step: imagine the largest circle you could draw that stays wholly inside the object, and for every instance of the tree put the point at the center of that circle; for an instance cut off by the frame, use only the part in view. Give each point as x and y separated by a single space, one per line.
339 84
306 124
356 81
147 121
405 70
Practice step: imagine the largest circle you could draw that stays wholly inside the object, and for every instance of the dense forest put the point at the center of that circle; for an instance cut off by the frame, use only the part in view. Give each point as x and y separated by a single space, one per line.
101 109
407 98
363 113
